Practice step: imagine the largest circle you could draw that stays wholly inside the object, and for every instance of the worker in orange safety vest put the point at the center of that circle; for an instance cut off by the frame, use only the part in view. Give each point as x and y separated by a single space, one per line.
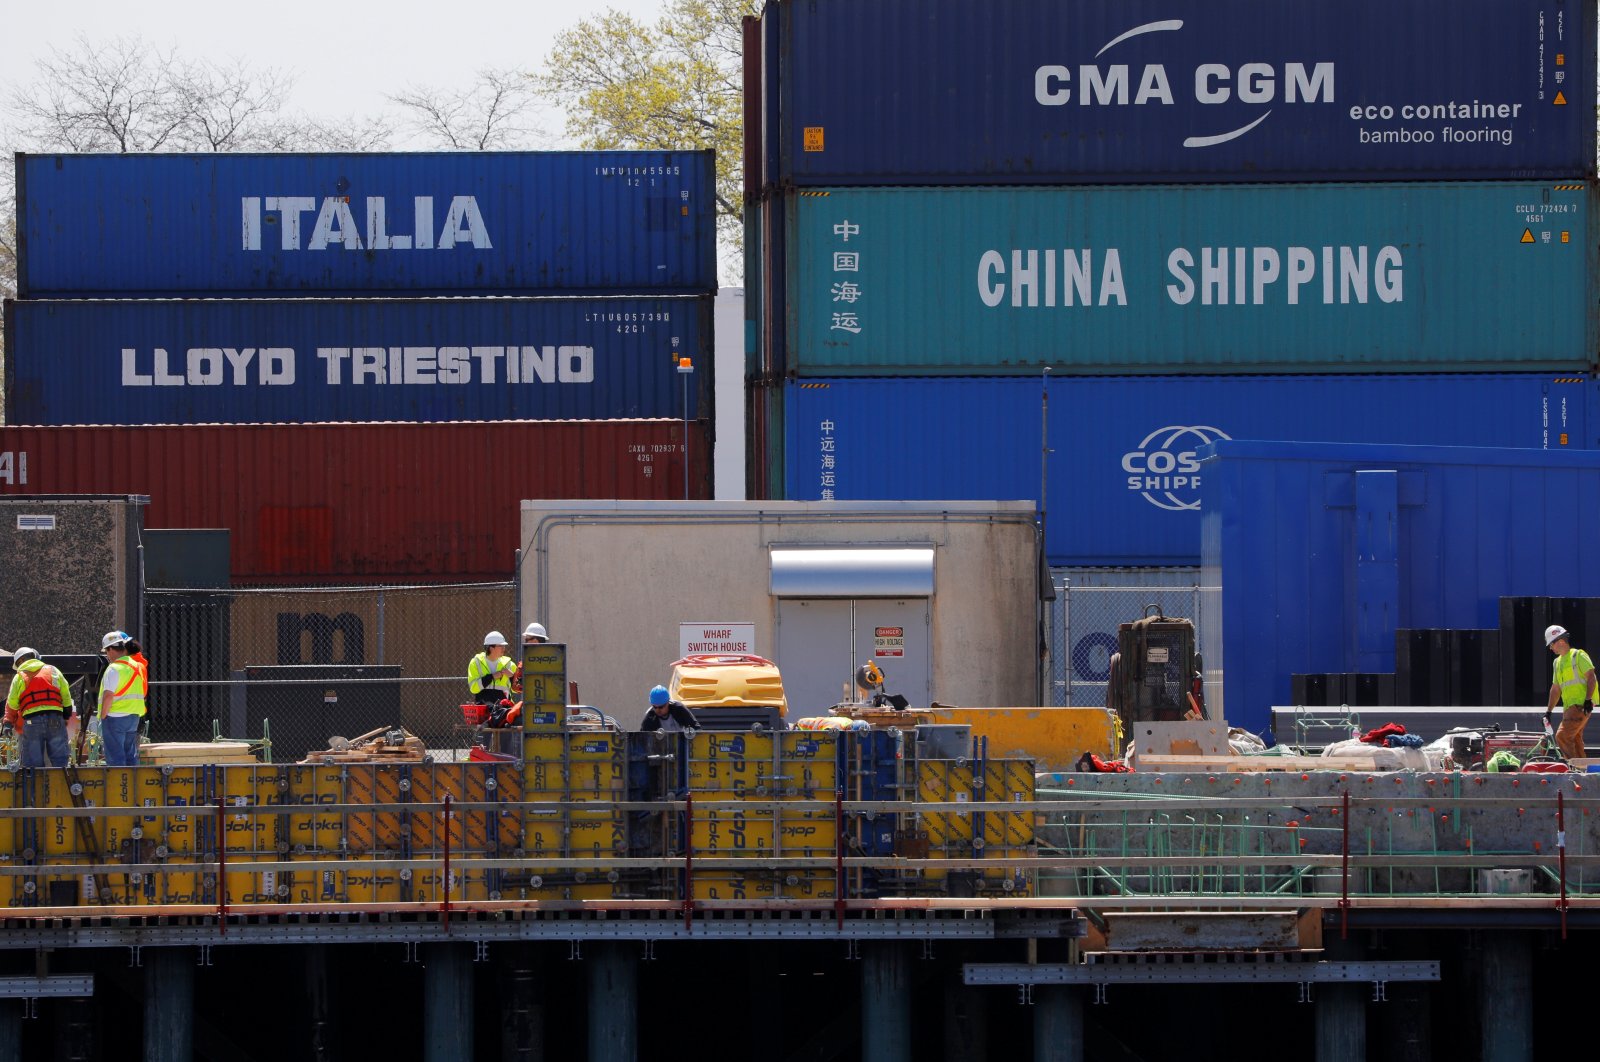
40 701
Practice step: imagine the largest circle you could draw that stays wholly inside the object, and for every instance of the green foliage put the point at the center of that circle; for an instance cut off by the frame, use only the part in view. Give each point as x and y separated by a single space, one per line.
675 85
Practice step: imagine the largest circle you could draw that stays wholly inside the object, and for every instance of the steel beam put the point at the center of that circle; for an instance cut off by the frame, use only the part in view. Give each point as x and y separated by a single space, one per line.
54 987
1166 973
112 935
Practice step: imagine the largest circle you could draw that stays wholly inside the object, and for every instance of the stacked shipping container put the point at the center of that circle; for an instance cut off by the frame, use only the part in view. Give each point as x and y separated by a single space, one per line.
274 309
1050 251
978 190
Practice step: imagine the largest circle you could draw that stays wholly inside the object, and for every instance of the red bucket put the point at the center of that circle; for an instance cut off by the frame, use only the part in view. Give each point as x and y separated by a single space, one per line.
474 713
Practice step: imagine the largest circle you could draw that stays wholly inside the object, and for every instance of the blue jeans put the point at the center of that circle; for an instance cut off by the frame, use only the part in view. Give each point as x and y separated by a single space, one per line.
120 735
44 733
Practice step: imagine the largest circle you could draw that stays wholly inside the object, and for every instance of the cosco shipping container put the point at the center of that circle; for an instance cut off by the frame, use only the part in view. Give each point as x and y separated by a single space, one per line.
1045 92
247 361
365 501
515 223
1192 279
1121 481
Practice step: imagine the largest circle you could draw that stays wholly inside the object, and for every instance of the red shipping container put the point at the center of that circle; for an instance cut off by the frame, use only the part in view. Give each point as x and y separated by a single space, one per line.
389 501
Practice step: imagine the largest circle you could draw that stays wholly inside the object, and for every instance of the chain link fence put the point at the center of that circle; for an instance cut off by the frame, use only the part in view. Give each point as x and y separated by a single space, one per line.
305 665
1088 607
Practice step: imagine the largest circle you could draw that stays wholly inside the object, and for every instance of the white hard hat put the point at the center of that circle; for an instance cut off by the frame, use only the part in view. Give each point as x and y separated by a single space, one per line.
22 652
535 630
494 638
115 638
1554 633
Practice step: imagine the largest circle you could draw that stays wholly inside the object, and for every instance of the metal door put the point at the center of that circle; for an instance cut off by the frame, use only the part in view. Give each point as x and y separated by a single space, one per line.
821 641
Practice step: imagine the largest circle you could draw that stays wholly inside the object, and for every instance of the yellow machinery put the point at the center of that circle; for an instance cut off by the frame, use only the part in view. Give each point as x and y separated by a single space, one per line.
1054 738
730 690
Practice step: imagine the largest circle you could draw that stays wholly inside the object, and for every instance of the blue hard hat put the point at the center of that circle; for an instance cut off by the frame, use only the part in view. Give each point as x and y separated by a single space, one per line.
658 696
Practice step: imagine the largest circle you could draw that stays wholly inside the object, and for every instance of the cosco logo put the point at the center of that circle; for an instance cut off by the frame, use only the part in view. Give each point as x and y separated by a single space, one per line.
1164 467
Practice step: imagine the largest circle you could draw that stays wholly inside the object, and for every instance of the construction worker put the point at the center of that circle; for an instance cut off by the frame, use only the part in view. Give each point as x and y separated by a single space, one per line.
1573 686
667 714
532 634
39 701
123 689
489 673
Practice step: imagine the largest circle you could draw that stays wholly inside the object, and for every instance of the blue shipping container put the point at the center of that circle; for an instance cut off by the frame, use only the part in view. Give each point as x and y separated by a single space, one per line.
1279 278
523 223
1322 552
1040 91
245 361
1124 484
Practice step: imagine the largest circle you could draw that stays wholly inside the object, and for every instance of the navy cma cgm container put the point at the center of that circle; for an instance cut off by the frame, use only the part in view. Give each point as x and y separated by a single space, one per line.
516 223
250 361
1040 91
1124 485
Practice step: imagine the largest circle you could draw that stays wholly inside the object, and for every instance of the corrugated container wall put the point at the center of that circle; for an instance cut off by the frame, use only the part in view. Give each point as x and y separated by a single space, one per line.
517 223
402 501
1322 552
1045 92
246 361
1209 279
1124 485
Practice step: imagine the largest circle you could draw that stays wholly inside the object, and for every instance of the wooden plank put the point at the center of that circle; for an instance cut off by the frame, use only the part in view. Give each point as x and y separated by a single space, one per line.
1251 764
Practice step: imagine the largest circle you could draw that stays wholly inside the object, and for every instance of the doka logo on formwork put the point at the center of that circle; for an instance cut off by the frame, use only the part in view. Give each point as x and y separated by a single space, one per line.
1165 469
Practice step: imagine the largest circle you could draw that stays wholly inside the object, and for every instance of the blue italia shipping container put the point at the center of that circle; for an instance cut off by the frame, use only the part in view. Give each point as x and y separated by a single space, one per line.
1322 552
253 361
1192 279
1121 482
512 223
1045 92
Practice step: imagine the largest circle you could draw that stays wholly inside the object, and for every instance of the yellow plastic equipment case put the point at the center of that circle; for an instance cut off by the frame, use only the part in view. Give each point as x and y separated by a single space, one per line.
730 691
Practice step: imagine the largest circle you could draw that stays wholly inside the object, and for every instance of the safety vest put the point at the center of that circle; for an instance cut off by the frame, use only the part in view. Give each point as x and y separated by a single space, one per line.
1572 676
483 672
40 693
128 686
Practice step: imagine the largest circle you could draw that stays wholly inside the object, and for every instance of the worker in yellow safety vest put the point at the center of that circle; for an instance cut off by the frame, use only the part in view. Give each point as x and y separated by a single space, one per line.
123 689
1572 686
40 699
489 673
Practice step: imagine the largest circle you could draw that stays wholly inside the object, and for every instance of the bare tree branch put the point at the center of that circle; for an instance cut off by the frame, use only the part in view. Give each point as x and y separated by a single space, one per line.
491 114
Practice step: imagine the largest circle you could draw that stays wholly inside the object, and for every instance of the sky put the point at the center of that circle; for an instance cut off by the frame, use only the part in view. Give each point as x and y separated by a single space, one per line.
346 55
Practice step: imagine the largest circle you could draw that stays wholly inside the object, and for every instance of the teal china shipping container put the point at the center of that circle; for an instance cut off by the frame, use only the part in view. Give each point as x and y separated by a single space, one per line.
1191 279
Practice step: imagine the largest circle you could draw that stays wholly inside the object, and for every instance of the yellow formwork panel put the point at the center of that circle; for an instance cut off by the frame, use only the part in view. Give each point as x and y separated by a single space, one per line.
378 885
573 833
954 781
764 884
801 764
430 784
535 882
544 686
306 829
374 831
247 886
994 879
732 832
251 823
1054 738
560 762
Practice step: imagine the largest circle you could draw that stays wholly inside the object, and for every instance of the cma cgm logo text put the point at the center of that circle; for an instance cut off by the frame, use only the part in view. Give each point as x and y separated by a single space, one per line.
340 223
1164 467
1119 84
